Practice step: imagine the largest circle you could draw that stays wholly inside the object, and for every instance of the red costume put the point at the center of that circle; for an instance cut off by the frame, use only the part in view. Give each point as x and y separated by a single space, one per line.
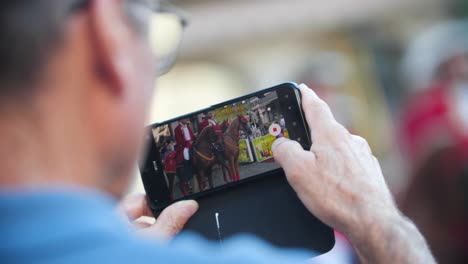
182 142
210 122
428 121
205 123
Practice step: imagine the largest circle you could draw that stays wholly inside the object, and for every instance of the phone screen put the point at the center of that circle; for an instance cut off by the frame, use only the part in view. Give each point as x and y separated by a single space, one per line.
222 145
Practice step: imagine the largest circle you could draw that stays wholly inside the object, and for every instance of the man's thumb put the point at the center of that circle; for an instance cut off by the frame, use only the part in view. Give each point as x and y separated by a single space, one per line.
287 152
173 218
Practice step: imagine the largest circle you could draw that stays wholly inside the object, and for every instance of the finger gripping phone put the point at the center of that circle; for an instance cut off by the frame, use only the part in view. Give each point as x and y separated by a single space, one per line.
221 156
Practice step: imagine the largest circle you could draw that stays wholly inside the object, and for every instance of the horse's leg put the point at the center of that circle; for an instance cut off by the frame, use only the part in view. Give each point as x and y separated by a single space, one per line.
223 166
236 164
207 172
201 180
209 175
199 175
220 162
196 184
183 184
232 167
224 173
229 167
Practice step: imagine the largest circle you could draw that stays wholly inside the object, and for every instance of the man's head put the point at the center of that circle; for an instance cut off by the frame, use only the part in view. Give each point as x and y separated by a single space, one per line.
208 115
75 81
437 54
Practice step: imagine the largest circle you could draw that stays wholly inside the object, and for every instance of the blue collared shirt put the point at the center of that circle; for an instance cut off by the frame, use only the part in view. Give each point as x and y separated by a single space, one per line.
78 226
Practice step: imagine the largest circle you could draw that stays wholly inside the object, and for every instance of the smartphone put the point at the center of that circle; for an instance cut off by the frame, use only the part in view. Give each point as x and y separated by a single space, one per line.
221 146
221 156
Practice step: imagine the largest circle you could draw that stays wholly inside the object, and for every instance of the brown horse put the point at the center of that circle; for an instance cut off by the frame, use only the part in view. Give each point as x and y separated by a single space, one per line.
224 125
231 144
203 156
202 163
220 155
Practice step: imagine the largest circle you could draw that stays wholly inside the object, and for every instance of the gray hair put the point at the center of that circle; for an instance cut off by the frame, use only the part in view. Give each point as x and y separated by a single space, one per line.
30 30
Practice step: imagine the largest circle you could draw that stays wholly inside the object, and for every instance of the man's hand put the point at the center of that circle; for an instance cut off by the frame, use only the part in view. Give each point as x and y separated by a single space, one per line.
340 182
169 223
338 179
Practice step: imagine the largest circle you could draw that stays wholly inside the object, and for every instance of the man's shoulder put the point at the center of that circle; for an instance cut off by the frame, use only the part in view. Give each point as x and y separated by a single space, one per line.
188 249
70 226
128 251
178 130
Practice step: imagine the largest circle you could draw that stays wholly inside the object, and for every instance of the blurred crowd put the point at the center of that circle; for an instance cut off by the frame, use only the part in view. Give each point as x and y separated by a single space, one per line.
400 81
433 135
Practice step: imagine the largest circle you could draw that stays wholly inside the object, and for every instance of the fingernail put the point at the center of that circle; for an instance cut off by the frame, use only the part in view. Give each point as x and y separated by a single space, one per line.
306 88
193 205
277 142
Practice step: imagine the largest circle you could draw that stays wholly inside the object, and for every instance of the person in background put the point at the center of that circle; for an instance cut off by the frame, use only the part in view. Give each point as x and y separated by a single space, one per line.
170 145
167 147
434 137
72 75
184 140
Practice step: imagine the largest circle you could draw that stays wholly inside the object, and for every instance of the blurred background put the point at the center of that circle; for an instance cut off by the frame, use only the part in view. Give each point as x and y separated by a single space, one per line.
393 71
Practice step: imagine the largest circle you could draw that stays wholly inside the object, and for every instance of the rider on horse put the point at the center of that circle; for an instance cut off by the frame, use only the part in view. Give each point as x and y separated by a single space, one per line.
208 120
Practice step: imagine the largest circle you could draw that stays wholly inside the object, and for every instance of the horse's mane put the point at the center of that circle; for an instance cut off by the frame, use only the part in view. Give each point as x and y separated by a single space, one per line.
231 125
204 132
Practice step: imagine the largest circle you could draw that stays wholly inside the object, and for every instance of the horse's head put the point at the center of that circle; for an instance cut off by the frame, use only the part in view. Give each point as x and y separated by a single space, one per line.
210 138
224 125
209 134
244 124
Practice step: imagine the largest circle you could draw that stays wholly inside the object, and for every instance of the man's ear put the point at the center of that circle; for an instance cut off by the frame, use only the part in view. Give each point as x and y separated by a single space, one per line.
111 36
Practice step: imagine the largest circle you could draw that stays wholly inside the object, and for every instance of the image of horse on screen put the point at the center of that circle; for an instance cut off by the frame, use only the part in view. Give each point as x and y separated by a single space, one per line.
220 146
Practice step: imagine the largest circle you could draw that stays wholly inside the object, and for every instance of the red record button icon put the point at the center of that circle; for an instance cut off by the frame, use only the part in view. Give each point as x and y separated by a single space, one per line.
275 130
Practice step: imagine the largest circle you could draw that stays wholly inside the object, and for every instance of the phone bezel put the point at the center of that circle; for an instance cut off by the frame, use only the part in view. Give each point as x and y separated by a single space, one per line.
158 206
